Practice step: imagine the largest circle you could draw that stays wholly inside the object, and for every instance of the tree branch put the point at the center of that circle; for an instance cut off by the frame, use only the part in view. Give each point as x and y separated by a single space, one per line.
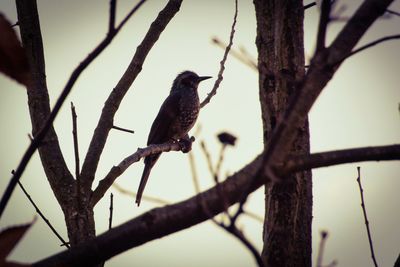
371 44
323 24
325 159
42 216
116 171
222 63
50 153
364 209
114 100
160 222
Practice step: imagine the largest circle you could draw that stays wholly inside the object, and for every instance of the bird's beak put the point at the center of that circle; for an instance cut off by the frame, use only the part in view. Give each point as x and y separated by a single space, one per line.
202 78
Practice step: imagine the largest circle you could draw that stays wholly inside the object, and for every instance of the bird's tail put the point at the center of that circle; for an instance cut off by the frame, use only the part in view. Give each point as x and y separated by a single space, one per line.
148 165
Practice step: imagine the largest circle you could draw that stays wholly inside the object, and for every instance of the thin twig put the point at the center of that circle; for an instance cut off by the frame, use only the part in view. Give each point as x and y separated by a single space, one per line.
144 197
116 171
111 211
64 243
310 5
392 12
366 218
123 129
49 121
76 154
241 55
75 137
231 227
373 43
222 63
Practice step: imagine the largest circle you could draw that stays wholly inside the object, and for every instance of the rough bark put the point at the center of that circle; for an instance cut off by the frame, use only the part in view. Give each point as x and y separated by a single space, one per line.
287 227
79 220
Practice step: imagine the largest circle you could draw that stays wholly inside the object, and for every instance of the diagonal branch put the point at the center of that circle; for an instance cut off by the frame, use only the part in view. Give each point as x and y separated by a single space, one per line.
114 100
50 153
371 44
116 171
160 222
222 63
42 216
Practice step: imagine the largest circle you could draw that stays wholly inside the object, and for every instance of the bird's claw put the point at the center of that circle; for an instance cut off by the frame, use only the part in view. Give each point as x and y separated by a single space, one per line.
186 144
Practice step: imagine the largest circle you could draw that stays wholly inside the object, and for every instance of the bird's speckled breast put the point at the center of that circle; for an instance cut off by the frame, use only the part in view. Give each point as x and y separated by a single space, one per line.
189 110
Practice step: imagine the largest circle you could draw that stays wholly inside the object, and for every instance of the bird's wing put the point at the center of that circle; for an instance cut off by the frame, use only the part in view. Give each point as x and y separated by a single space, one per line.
168 112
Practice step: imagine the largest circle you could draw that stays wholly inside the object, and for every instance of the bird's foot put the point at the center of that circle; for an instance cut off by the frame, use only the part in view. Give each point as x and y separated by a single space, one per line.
186 144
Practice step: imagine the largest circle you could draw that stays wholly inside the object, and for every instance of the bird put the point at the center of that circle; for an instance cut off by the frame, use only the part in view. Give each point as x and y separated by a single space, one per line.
177 115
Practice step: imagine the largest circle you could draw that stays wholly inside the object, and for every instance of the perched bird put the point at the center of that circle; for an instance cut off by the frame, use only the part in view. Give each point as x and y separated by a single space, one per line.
175 118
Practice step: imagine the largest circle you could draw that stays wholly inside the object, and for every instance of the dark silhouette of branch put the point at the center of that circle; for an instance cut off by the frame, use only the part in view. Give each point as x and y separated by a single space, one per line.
116 171
330 158
160 222
42 215
323 24
231 226
369 45
310 5
75 137
111 211
111 105
392 12
123 129
111 21
371 246
67 89
222 63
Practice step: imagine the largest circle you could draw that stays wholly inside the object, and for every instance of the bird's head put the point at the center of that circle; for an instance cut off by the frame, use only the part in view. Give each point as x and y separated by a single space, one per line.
187 79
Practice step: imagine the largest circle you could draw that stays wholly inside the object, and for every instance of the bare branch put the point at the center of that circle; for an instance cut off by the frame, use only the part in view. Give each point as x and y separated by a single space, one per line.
366 218
111 105
111 22
42 215
222 63
371 44
75 137
310 5
116 171
241 56
41 133
323 24
111 211
330 158
160 222
392 12
123 129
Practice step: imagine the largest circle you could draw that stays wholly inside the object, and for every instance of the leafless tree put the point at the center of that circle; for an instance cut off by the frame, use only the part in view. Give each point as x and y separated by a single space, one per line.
287 93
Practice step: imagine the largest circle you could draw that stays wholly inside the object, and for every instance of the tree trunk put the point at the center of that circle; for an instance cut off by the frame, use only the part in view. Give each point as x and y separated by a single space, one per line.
288 214
77 212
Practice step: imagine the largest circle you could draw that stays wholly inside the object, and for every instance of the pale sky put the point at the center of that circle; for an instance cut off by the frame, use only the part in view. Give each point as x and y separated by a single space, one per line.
358 108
